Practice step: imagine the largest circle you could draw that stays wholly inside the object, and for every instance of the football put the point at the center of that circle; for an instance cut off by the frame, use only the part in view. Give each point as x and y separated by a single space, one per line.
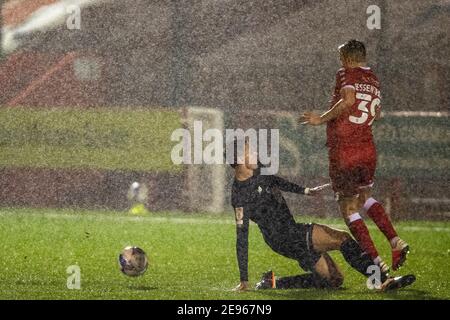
133 261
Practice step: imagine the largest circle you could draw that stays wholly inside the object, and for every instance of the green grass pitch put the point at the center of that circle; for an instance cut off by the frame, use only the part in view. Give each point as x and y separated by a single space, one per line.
191 257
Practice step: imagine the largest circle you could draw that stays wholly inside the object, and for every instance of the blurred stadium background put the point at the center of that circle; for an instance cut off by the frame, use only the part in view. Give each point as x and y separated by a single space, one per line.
86 112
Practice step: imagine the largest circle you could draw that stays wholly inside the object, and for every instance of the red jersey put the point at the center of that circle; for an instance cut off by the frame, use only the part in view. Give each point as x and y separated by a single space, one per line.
354 126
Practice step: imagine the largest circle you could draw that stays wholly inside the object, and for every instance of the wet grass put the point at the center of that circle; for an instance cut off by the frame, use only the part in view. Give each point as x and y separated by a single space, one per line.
191 257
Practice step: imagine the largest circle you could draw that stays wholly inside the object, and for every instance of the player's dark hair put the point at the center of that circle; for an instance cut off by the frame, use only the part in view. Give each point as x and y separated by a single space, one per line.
233 145
353 49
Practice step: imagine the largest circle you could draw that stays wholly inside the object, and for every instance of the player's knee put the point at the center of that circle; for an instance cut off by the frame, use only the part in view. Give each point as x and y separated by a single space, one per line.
344 236
348 205
363 198
361 201
337 280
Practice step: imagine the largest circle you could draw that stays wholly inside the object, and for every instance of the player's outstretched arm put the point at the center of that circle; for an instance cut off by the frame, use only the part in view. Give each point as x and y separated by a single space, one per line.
348 99
242 226
286 186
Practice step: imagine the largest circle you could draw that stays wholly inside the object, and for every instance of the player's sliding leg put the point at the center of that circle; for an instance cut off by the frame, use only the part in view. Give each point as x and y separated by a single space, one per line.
302 281
326 274
376 212
326 239
349 207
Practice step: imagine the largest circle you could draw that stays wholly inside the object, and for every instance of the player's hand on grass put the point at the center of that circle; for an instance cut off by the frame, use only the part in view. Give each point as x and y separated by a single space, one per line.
316 190
243 286
310 118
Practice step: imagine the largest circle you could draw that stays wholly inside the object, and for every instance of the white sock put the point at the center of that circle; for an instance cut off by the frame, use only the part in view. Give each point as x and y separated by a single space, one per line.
377 260
354 216
369 203
393 242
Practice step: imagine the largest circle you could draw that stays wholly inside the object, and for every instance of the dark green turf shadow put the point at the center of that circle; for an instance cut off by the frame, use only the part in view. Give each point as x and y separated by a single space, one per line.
142 288
345 294
410 294
308 294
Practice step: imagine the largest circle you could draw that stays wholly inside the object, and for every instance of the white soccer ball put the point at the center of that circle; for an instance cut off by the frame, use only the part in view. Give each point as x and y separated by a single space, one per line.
133 261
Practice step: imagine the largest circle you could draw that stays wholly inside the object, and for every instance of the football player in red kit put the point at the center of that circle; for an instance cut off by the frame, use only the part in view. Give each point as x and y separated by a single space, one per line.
355 106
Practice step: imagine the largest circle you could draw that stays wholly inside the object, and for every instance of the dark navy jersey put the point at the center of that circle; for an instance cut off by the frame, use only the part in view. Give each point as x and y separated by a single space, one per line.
259 199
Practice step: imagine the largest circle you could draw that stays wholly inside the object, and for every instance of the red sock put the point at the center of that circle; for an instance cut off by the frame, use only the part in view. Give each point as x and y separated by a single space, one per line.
359 230
376 212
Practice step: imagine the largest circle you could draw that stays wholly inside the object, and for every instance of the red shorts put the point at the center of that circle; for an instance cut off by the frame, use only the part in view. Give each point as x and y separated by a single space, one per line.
352 167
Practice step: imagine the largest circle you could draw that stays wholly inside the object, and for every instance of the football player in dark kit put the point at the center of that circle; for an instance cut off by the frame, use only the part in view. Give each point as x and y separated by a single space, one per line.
258 198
